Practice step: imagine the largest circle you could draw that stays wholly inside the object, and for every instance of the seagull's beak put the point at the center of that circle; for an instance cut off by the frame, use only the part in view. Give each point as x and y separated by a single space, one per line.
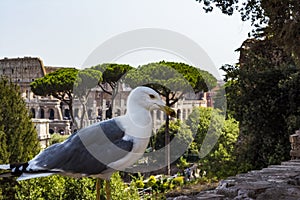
169 111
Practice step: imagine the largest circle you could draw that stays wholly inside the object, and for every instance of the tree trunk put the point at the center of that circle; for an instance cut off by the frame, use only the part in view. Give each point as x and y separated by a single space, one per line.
167 141
74 123
83 114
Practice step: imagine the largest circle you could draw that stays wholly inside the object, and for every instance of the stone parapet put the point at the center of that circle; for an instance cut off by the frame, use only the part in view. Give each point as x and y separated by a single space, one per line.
273 183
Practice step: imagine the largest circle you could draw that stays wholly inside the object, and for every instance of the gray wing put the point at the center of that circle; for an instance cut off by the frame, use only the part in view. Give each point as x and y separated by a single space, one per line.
89 151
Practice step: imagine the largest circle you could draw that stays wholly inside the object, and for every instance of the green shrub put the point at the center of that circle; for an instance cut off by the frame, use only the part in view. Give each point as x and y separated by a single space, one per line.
139 184
178 180
151 181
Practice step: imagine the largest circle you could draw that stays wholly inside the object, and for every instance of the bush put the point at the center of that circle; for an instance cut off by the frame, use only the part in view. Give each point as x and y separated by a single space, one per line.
218 159
19 141
151 181
56 138
178 181
139 184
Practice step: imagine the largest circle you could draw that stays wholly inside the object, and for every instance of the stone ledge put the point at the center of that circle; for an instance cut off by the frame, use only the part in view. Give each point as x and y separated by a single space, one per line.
277 182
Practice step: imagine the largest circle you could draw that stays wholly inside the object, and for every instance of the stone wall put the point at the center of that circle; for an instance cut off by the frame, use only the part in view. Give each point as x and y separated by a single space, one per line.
22 70
42 127
277 182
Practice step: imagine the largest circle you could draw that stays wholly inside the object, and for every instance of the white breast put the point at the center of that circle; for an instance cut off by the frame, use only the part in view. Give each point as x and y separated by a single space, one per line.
139 135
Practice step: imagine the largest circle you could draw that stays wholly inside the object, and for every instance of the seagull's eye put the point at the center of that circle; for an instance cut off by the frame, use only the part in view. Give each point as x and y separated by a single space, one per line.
151 96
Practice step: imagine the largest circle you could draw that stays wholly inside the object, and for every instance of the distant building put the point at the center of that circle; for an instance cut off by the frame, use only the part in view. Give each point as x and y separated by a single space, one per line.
42 127
23 71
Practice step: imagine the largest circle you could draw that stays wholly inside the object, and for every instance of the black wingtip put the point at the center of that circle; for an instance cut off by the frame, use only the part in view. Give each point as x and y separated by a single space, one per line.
18 168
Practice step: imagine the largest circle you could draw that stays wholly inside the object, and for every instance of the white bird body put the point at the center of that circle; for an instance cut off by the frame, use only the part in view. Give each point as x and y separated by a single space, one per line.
100 149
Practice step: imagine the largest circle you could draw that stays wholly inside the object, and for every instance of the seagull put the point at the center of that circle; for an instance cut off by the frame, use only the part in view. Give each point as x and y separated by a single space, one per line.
100 149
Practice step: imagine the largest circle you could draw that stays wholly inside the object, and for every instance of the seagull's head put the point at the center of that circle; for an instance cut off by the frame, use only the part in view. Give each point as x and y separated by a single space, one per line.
149 99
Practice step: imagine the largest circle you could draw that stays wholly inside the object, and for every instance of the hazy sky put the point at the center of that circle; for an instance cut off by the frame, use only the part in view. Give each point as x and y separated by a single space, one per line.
65 32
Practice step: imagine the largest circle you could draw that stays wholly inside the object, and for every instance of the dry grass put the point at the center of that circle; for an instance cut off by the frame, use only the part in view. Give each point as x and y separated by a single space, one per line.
192 188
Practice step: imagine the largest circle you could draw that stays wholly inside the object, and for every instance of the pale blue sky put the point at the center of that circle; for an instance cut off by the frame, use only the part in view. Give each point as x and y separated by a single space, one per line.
65 32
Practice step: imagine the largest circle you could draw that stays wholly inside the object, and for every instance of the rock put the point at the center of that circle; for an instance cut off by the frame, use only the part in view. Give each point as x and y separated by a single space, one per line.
179 198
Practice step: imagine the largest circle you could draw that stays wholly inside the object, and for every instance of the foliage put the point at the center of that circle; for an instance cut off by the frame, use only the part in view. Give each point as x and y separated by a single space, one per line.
59 187
220 160
83 188
113 75
122 191
182 163
19 141
284 24
219 99
139 184
262 89
41 188
179 180
151 181
217 159
67 83
58 84
56 187
176 129
291 88
171 79
86 80
200 80
159 185
263 95
276 19
249 9
56 138
4 151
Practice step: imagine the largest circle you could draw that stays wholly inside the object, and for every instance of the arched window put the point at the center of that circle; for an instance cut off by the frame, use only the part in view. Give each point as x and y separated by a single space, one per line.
51 114
90 111
51 131
42 113
67 114
32 110
99 117
178 114
109 113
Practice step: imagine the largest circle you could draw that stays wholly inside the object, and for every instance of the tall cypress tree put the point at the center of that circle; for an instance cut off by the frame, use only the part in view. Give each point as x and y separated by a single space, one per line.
18 137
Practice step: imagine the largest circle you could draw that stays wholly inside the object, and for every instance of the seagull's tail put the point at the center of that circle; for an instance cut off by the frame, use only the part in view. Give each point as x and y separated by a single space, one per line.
23 172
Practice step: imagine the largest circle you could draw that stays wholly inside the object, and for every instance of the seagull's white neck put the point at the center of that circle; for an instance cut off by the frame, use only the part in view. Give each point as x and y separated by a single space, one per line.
137 121
138 114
